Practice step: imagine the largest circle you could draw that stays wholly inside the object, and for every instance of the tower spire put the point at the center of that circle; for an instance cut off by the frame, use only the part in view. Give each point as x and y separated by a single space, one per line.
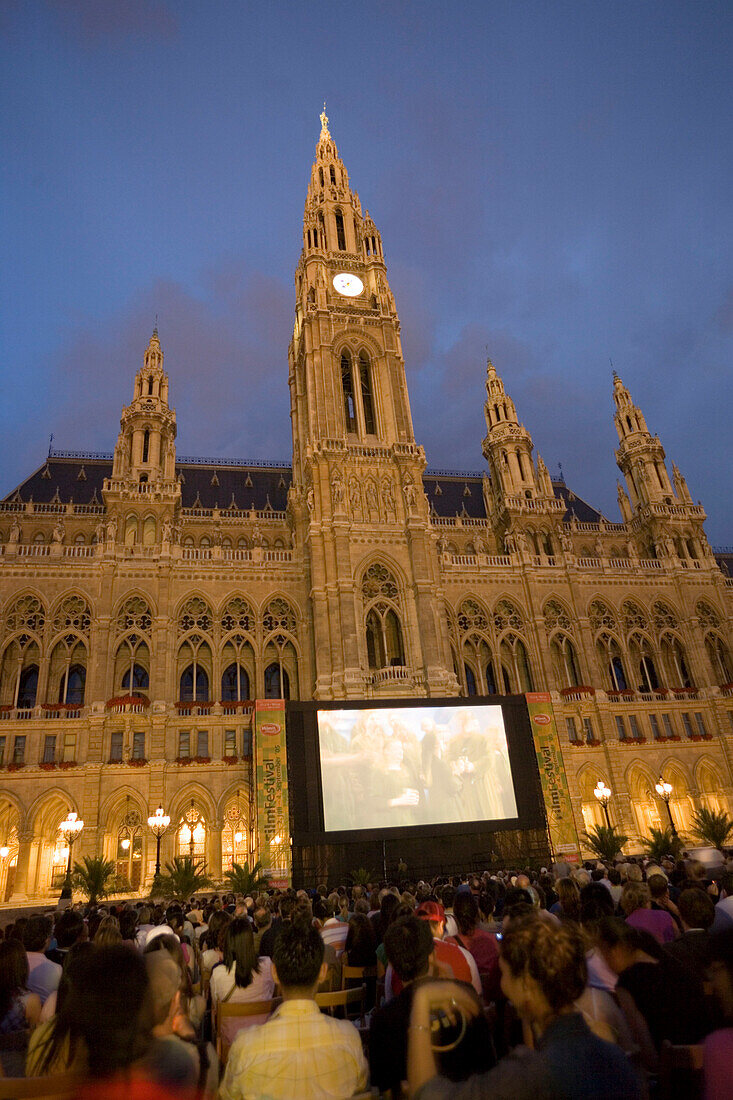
324 122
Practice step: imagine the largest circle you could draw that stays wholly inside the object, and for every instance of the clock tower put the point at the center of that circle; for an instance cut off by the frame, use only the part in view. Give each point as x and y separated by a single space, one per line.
357 498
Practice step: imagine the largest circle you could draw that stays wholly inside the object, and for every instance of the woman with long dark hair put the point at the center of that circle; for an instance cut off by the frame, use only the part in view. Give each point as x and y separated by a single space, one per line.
243 976
57 1045
19 1009
479 943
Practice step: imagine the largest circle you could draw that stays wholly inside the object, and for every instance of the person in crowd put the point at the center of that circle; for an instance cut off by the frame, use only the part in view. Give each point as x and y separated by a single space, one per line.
299 1051
128 926
263 921
658 884
724 905
718 1052
70 929
56 1045
596 903
360 946
697 914
144 925
410 951
388 902
451 961
243 977
543 974
19 1009
636 905
655 993
213 940
267 943
192 1006
43 974
335 929
108 933
567 906
184 1065
483 946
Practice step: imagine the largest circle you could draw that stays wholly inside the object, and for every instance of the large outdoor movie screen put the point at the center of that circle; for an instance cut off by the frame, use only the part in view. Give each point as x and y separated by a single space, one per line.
414 766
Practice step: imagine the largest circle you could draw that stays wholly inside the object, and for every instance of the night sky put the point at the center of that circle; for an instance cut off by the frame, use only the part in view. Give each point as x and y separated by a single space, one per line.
552 180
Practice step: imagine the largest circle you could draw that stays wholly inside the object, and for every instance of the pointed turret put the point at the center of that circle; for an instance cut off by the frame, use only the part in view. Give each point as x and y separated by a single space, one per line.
662 514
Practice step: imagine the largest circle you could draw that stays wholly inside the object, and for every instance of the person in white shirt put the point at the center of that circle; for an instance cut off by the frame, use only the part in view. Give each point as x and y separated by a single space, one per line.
243 977
43 975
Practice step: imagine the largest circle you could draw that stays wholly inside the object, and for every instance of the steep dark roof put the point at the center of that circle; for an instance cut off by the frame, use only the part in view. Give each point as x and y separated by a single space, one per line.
205 483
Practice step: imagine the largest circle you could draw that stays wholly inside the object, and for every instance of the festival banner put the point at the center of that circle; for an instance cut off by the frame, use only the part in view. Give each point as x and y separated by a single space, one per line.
563 832
273 818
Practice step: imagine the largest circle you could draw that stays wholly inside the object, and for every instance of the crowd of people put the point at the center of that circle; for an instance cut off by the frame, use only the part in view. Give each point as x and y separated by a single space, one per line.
567 982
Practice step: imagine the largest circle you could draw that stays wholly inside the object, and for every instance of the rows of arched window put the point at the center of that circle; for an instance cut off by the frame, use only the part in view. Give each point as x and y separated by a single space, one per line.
382 618
231 656
634 649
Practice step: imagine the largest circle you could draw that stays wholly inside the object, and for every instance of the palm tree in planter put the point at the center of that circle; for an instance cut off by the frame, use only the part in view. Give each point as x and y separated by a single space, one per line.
184 877
362 877
240 880
94 877
662 843
713 827
605 841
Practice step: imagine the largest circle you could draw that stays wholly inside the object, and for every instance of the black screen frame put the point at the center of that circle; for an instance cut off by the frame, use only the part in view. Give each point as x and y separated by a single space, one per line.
305 779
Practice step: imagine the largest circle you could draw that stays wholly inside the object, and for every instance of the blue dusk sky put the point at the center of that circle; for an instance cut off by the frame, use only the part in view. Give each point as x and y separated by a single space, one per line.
551 180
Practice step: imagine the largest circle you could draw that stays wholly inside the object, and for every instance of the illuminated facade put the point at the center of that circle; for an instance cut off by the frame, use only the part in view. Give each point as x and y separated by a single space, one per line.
147 597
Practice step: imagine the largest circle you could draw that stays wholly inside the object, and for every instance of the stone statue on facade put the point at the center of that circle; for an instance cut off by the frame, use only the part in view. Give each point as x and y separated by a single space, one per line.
15 531
59 532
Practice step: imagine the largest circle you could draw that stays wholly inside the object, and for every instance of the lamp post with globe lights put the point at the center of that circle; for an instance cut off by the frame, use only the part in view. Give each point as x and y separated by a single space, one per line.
158 824
70 828
603 794
664 790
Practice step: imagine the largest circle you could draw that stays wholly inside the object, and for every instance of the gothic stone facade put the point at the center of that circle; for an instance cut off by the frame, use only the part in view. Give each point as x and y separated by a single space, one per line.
146 597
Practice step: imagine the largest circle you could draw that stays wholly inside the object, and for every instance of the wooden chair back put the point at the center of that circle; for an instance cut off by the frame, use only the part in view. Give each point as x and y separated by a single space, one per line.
228 1010
62 1086
356 973
344 998
680 1072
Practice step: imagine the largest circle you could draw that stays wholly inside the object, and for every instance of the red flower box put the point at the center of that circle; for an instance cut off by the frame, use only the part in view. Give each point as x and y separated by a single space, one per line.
66 764
137 762
684 691
661 693
128 700
184 760
47 765
675 737
62 706
581 689
695 737
594 744
202 759
13 767
230 759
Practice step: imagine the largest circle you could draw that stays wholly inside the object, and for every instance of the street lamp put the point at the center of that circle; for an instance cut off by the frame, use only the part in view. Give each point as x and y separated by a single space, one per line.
69 829
664 790
603 794
158 823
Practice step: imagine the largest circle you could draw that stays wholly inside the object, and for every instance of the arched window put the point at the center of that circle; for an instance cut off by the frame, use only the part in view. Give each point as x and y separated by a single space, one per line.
149 531
332 174
71 690
367 401
28 687
564 661
277 682
140 679
150 386
340 234
643 664
673 656
191 834
320 177
234 683
515 663
490 679
347 385
146 444
130 530
719 658
470 680
235 835
129 849
385 647
194 675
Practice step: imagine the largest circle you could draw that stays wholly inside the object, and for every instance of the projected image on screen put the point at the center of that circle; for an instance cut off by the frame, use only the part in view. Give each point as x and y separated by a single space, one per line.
414 766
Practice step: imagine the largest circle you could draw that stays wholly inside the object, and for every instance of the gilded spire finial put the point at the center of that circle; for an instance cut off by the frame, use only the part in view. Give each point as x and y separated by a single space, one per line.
324 122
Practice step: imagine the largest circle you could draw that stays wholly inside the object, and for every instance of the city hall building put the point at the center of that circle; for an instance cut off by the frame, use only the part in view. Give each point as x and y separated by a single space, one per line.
146 598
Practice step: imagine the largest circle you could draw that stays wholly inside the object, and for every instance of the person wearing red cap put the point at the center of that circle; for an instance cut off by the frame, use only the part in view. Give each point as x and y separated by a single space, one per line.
451 960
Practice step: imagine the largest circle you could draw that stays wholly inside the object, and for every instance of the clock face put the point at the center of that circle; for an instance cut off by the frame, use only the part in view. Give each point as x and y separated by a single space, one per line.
347 284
